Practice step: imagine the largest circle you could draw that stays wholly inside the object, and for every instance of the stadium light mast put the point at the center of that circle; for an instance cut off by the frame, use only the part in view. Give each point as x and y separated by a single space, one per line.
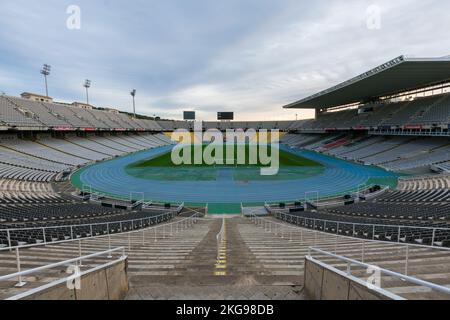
133 94
45 71
87 85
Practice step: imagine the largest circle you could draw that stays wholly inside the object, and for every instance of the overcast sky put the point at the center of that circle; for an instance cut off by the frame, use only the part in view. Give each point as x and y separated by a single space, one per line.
247 56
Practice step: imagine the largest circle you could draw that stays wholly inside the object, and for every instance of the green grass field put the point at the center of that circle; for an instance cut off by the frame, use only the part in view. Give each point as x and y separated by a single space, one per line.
286 160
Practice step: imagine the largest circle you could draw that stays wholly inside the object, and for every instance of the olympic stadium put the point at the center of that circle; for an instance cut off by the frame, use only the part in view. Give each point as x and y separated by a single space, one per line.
222 186
365 184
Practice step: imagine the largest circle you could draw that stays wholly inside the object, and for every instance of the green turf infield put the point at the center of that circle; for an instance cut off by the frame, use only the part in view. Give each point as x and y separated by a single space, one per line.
286 159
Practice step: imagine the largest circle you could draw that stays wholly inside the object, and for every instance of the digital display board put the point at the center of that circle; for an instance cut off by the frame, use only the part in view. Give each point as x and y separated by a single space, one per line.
189 115
225 115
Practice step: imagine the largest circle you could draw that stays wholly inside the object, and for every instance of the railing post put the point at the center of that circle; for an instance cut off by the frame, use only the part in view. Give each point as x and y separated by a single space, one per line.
71 232
44 236
109 242
129 242
19 278
399 234
80 263
92 231
407 260
349 268
373 232
363 251
336 244
434 237
8 235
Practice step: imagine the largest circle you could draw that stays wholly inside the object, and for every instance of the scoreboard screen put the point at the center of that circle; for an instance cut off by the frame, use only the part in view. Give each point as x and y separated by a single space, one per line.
189 115
225 115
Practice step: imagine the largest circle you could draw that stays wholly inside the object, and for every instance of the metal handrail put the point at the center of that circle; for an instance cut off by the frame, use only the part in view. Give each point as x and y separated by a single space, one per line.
219 237
400 276
194 219
399 228
260 220
63 280
363 224
90 225
334 197
19 274
62 263
182 224
287 232
87 224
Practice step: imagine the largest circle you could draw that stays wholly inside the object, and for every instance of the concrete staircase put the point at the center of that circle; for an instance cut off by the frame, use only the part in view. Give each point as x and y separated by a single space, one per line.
238 275
282 250
255 262
150 254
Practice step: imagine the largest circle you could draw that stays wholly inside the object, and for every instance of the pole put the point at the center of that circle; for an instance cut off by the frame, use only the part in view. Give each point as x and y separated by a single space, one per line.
87 95
46 85
134 108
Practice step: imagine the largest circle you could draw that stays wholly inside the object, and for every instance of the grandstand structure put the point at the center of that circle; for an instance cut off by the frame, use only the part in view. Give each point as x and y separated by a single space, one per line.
383 196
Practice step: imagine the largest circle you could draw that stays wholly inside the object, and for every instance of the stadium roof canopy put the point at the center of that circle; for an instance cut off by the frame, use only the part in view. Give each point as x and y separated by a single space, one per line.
396 76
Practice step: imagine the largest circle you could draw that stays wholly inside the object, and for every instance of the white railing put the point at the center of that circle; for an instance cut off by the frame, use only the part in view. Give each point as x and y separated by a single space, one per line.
334 199
407 133
126 240
69 280
88 229
162 230
289 232
220 237
397 233
351 262
95 196
77 261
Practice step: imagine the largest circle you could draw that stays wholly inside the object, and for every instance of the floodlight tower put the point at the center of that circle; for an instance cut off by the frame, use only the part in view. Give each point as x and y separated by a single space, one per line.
87 85
45 71
133 94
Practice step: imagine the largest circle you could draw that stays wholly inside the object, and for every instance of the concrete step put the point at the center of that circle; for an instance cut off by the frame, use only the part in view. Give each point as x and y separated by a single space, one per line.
185 264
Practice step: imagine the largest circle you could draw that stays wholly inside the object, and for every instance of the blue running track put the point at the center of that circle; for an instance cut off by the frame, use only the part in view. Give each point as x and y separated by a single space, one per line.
338 178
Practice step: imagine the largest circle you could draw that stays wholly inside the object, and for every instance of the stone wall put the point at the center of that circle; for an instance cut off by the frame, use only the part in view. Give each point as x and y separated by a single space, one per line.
324 283
109 283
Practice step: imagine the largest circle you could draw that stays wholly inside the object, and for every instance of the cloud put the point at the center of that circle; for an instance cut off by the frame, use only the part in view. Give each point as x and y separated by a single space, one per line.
249 56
